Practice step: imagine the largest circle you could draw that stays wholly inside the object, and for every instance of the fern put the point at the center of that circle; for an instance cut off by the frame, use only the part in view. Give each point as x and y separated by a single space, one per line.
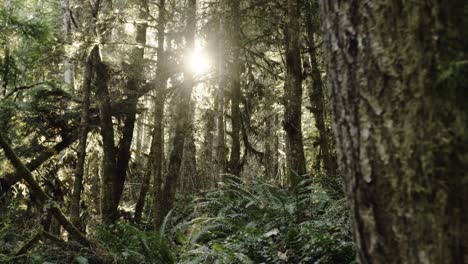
260 222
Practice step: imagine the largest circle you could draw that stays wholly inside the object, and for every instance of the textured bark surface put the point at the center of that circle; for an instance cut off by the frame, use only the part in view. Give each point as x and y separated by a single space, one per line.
296 164
271 148
397 72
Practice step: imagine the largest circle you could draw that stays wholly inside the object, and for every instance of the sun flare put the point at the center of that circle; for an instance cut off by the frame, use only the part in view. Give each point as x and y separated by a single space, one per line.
199 62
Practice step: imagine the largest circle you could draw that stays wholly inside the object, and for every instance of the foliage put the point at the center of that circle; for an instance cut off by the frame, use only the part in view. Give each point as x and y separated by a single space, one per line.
127 244
261 223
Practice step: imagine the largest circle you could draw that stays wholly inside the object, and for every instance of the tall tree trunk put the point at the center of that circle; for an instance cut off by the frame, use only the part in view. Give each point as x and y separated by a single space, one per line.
109 164
296 164
83 137
183 124
220 121
119 157
235 167
397 71
317 103
133 86
157 145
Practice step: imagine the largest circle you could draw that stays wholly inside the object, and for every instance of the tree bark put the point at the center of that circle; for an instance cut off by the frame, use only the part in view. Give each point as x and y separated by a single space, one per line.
317 103
183 124
157 145
220 122
83 137
109 188
235 167
207 165
271 149
397 72
296 164
133 85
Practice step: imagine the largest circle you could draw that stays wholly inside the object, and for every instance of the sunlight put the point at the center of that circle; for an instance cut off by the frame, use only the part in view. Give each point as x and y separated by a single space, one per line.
199 62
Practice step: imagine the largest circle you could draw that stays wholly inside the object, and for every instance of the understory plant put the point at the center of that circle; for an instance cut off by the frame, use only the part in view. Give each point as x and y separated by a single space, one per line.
261 223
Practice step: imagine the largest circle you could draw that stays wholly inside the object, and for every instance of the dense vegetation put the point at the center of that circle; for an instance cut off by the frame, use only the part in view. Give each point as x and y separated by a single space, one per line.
185 131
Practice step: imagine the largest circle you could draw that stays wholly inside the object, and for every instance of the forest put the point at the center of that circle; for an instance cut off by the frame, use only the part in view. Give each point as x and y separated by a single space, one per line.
233 131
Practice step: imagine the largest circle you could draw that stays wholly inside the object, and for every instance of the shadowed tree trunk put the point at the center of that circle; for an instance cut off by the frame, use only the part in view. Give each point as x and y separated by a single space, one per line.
109 163
293 97
116 159
206 162
317 103
235 82
83 137
271 148
220 121
157 145
182 122
138 55
397 72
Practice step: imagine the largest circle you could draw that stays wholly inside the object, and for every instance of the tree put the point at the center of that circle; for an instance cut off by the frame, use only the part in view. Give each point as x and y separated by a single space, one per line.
317 101
157 145
235 83
182 122
134 85
219 100
296 164
397 74
83 139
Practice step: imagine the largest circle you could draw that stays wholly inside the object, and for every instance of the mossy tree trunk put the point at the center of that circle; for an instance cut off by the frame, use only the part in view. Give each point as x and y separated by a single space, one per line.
398 75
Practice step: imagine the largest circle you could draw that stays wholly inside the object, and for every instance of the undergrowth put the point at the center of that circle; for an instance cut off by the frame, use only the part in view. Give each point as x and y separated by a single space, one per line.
236 223
262 223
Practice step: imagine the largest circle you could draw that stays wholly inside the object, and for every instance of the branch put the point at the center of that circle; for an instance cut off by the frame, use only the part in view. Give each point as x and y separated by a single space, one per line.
39 194
12 178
